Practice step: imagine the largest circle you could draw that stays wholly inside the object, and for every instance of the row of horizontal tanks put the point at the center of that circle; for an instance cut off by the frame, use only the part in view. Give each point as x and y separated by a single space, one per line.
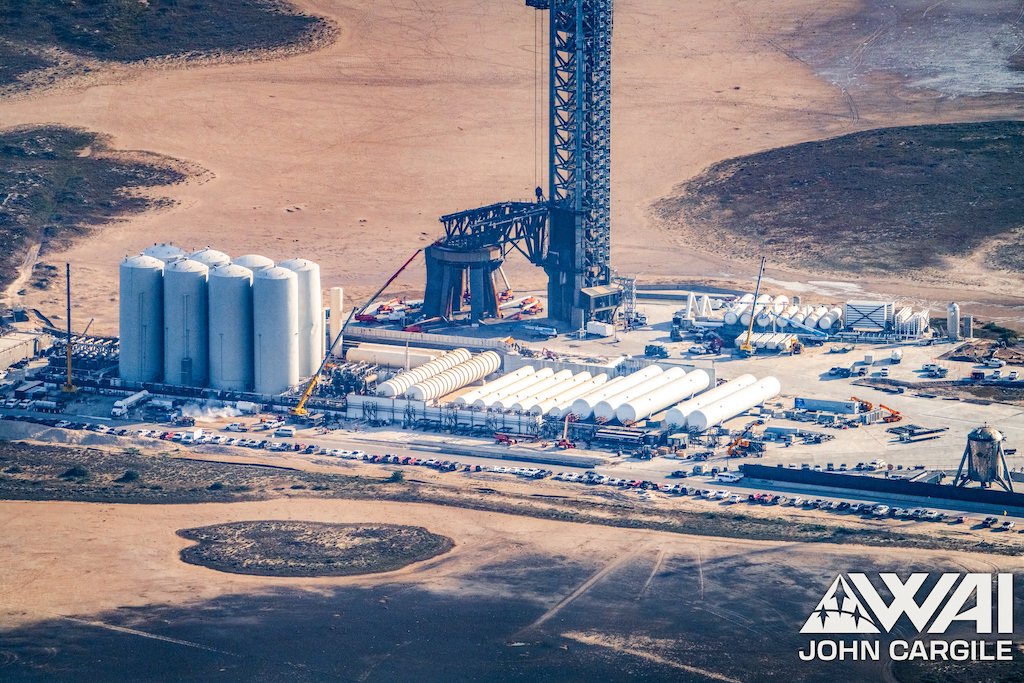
544 391
202 319
768 309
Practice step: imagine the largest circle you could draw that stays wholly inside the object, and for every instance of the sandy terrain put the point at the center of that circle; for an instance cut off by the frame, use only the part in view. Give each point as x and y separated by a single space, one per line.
348 154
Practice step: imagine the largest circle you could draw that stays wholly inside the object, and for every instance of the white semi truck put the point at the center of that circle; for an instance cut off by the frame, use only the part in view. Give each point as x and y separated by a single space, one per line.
122 406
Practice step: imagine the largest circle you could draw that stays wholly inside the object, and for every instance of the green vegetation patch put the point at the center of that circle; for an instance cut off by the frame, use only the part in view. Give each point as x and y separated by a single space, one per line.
57 183
879 201
132 30
294 548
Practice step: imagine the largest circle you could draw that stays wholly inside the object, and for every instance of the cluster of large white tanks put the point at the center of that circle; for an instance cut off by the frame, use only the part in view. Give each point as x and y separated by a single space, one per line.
401 383
724 402
231 325
778 311
454 378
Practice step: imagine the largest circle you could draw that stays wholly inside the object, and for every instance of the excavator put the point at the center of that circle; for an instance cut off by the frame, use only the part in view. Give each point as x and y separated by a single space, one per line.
300 408
746 348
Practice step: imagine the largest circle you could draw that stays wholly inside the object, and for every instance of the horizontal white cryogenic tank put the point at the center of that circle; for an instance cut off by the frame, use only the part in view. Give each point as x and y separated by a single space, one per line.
454 378
141 307
509 401
780 303
311 314
532 403
663 397
743 400
584 405
231 328
500 383
165 252
677 414
254 262
765 316
812 319
399 384
604 411
392 356
211 258
186 323
833 316
491 397
276 330
554 407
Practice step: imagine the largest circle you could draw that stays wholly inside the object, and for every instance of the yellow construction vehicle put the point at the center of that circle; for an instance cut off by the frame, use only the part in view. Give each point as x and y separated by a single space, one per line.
746 348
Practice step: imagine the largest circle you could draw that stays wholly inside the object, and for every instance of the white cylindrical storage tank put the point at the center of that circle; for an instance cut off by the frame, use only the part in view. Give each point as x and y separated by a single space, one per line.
186 323
509 401
780 303
311 314
812 319
500 383
765 316
141 316
276 330
709 416
337 319
390 356
731 316
556 393
399 384
604 411
456 377
231 328
165 252
747 298
833 316
953 321
562 381
584 405
663 397
678 414
491 397
254 262
554 406
211 258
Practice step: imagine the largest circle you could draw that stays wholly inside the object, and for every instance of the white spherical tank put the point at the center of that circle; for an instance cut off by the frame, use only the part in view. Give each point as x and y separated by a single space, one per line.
604 411
165 252
553 407
311 314
399 384
490 398
678 414
211 258
186 323
254 262
275 304
500 383
231 328
663 397
732 405
141 306
584 405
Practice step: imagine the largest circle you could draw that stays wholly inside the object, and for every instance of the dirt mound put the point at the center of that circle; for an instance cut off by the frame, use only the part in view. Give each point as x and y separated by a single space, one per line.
290 548
879 201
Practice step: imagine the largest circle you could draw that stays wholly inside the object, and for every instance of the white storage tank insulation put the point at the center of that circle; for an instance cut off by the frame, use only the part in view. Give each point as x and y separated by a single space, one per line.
584 405
165 252
254 262
538 396
399 384
231 328
141 316
604 411
392 356
489 399
186 323
453 379
311 314
554 407
677 414
500 383
508 401
659 399
211 258
709 416
276 330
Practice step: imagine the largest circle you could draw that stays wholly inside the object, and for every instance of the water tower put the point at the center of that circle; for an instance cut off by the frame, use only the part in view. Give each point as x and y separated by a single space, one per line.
984 460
